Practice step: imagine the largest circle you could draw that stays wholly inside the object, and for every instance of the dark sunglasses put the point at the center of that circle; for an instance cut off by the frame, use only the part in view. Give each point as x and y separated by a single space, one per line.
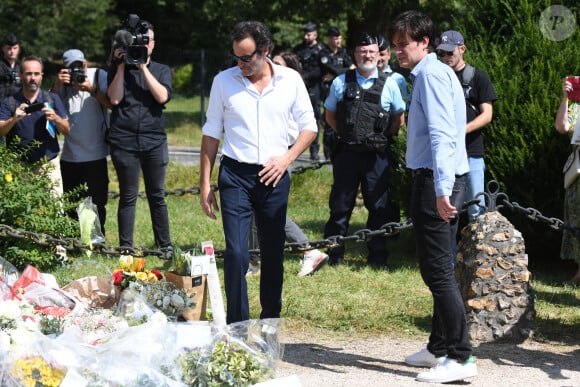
245 58
443 53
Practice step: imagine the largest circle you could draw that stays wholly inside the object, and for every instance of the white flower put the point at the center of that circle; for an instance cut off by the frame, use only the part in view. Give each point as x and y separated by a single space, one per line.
4 342
177 301
159 318
10 309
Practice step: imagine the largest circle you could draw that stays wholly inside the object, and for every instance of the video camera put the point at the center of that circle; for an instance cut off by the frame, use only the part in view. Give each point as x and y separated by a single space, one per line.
134 39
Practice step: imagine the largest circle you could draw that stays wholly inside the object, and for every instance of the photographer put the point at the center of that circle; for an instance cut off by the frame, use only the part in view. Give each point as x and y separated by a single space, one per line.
138 93
9 68
33 115
83 91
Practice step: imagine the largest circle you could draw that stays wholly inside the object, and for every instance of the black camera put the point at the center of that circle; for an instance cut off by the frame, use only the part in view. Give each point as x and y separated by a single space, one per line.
11 77
134 38
77 74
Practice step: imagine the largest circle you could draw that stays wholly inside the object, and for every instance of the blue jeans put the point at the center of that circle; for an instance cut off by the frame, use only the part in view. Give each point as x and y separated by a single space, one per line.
241 195
435 240
129 165
475 185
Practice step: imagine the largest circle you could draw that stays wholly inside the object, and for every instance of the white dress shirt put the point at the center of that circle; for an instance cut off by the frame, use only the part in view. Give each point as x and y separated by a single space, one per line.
256 126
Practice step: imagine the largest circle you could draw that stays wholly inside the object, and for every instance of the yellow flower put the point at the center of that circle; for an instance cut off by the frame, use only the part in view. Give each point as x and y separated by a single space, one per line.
19 221
141 276
152 277
8 177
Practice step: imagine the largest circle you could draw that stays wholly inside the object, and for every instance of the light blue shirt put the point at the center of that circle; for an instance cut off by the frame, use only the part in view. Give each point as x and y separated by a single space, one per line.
401 82
391 99
436 124
258 126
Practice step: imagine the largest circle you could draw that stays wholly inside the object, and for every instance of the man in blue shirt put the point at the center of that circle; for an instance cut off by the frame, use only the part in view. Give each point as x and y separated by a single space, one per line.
366 109
436 153
23 127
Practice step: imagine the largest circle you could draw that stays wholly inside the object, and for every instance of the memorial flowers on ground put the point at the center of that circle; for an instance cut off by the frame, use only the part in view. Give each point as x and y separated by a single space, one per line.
49 337
133 269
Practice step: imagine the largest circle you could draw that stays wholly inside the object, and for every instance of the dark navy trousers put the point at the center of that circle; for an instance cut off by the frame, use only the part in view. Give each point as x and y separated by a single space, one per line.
370 171
242 194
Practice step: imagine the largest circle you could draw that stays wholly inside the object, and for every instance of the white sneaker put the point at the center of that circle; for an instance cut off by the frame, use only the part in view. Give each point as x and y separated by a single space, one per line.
449 370
312 261
423 358
253 268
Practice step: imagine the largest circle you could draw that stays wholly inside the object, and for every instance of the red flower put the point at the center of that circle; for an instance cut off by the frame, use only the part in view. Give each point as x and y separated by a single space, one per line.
157 274
117 277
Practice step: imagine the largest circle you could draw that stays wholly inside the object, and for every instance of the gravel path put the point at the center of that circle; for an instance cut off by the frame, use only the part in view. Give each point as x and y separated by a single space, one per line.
379 361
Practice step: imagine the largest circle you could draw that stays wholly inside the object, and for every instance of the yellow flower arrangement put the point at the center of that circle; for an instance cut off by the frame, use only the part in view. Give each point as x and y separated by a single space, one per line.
133 269
35 371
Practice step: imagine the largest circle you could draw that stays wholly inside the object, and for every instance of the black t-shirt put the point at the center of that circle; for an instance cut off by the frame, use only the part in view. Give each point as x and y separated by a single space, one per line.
481 92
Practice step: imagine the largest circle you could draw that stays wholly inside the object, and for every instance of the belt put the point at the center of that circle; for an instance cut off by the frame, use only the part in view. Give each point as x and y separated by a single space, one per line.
238 164
422 172
429 173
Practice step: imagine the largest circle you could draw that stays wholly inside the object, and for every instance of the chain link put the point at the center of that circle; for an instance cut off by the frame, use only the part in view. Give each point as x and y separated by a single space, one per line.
363 235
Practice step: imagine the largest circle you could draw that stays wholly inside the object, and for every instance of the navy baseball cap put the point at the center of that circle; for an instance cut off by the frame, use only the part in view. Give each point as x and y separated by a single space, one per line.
450 40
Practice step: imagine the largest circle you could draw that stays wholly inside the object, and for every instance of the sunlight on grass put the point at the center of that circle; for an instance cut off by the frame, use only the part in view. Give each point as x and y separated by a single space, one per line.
352 298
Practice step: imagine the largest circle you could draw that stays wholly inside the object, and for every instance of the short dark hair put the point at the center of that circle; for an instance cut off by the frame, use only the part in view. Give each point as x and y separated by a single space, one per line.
32 58
416 24
255 30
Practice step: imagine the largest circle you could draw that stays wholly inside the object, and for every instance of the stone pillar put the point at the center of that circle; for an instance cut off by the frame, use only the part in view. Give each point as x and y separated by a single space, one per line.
492 273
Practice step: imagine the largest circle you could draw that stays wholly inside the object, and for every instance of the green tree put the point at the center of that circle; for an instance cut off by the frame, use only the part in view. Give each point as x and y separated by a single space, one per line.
523 151
47 29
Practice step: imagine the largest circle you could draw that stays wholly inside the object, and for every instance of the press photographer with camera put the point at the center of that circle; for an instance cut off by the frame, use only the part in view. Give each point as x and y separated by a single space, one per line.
138 92
9 68
33 115
83 160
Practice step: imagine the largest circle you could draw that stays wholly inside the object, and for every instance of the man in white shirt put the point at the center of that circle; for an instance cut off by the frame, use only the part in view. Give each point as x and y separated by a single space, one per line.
253 105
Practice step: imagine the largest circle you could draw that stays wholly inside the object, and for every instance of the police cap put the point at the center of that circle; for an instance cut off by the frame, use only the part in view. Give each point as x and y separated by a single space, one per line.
333 31
10 40
310 27
366 40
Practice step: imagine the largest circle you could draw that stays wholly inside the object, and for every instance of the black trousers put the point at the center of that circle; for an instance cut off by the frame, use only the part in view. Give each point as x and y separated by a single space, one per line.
95 175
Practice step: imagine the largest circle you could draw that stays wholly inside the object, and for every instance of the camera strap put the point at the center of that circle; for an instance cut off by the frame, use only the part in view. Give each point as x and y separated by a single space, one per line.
97 89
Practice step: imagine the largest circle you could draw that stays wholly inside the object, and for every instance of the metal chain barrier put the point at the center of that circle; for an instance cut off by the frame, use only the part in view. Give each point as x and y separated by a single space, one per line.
495 200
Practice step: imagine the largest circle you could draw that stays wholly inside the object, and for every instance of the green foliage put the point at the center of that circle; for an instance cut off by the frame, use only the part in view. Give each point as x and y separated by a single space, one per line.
26 204
182 80
523 151
47 29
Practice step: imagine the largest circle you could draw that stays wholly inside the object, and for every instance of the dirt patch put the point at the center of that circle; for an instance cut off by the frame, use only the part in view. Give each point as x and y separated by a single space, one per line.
379 361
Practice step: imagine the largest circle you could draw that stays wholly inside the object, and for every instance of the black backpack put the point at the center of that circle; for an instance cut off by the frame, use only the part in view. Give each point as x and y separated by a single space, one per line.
468 74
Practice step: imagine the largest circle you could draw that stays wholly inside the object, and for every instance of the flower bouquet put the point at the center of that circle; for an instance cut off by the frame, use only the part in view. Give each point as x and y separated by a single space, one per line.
133 269
242 355
33 371
164 296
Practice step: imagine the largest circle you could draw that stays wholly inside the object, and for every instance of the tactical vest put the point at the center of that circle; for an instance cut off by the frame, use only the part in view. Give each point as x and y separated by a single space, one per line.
361 121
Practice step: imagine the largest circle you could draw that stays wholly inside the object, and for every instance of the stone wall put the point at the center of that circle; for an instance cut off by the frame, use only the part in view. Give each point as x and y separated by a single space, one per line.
492 273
